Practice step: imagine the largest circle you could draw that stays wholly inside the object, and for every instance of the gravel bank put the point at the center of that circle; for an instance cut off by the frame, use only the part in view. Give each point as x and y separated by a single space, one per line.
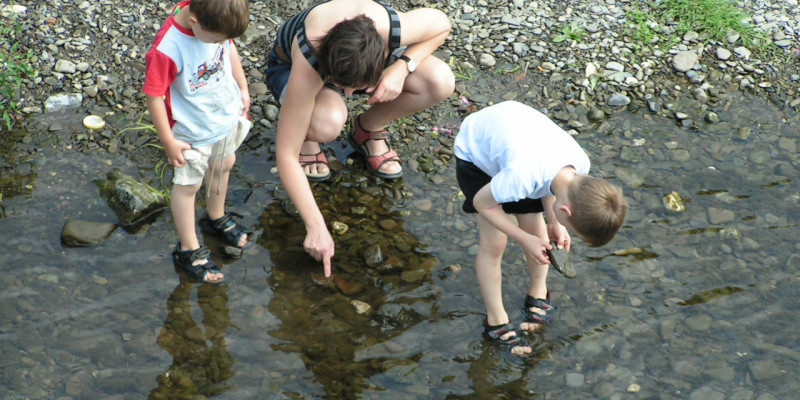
90 55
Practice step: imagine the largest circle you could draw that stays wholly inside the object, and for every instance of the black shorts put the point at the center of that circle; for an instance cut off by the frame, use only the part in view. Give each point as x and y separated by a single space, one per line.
471 179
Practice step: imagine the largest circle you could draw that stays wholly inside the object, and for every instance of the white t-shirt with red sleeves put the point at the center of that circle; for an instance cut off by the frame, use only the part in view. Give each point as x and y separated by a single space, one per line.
202 97
520 148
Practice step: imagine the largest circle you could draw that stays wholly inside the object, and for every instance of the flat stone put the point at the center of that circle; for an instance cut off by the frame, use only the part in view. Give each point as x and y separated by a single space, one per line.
706 393
574 379
720 216
764 370
78 232
562 262
618 100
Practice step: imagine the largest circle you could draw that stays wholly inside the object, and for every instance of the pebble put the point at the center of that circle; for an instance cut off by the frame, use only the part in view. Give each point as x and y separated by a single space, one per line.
487 60
684 61
618 100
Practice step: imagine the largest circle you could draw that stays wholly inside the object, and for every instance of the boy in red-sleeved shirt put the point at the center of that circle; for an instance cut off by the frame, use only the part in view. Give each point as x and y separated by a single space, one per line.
197 96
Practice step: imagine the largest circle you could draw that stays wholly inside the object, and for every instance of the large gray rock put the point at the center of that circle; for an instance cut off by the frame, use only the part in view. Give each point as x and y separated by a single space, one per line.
132 201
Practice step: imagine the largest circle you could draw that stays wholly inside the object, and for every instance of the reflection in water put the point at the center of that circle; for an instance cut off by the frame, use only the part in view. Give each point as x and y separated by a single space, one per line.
201 363
381 287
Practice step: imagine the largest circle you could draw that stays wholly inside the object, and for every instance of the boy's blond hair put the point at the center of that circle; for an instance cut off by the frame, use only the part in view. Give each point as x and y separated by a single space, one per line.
228 17
598 209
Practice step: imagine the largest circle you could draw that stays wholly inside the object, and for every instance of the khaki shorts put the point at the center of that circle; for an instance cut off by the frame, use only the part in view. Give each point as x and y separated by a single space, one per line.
197 158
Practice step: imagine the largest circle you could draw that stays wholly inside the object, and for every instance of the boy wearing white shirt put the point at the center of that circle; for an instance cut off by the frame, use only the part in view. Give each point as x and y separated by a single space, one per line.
511 159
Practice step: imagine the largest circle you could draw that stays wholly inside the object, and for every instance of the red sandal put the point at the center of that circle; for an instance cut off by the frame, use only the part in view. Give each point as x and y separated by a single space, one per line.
358 138
318 158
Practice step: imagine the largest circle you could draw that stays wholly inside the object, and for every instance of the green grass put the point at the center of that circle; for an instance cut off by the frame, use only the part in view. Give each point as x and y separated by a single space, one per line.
715 17
15 65
711 17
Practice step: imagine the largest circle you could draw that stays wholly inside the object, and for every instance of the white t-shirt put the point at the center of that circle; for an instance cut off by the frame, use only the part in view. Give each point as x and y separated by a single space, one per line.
520 148
202 97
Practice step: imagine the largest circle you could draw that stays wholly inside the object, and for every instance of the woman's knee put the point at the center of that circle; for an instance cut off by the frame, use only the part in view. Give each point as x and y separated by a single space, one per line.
327 121
441 81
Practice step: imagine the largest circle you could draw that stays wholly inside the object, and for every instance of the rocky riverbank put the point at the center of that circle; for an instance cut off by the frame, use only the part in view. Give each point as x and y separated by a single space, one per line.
555 55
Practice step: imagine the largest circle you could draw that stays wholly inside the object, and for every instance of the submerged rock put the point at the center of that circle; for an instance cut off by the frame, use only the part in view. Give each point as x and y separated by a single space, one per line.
85 233
132 201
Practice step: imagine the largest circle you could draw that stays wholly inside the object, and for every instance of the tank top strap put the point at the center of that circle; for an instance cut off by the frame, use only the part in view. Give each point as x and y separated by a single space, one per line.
394 27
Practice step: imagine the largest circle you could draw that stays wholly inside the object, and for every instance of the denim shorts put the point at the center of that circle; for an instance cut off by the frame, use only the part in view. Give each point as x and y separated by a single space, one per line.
471 179
277 75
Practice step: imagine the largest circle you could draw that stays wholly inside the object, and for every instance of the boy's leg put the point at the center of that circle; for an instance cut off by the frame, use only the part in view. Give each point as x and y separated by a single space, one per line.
182 206
492 244
216 180
537 288
431 83
327 121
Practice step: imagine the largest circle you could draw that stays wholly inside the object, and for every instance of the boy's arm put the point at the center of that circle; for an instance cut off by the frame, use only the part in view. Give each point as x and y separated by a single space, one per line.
555 231
172 147
293 124
493 212
240 77
423 30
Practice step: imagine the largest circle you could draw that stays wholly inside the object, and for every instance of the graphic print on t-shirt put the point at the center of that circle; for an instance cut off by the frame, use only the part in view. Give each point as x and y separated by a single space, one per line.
208 70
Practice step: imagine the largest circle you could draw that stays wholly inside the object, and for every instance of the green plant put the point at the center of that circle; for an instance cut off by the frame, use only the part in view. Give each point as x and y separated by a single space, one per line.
715 17
504 70
14 67
573 31
141 126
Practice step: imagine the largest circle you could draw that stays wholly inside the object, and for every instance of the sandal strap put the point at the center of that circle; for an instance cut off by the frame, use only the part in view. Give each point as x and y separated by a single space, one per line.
377 161
226 227
496 332
542 304
361 135
319 158
200 254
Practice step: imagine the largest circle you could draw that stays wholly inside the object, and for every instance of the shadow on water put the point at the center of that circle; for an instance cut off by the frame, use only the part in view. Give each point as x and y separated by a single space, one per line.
681 304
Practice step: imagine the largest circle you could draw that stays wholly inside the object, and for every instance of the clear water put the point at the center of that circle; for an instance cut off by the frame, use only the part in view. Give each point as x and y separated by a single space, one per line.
696 304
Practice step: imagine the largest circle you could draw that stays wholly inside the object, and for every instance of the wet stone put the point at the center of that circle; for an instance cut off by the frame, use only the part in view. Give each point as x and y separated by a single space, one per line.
85 233
706 393
680 155
628 153
720 216
347 286
764 370
423 204
759 156
131 200
595 114
373 255
574 379
415 275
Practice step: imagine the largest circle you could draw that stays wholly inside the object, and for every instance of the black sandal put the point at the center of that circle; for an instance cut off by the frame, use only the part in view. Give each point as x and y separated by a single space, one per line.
542 304
184 259
226 229
495 333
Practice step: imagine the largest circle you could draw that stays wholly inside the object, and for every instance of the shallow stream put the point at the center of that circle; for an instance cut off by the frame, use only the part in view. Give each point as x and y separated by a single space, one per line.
698 304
